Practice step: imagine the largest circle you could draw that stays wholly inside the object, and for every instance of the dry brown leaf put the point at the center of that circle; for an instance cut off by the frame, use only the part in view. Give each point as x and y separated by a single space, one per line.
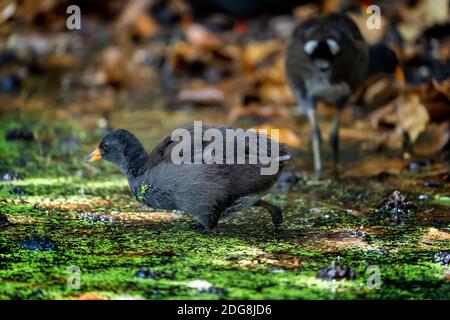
257 53
145 26
259 111
434 235
385 114
132 11
206 95
285 135
433 140
275 93
306 11
417 18
199 37
375 167
412 116
443 87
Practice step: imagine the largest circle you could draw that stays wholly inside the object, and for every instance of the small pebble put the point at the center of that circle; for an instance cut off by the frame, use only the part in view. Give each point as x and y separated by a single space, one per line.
205 287
93 218
146 273
397 207
22 133
17 191
423 197
3 220
36 243
10 83
20 161
199 285
442 257
9 176
431 184
414 166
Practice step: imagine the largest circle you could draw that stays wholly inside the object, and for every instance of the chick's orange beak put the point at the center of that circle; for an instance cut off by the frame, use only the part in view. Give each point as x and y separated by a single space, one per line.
94 156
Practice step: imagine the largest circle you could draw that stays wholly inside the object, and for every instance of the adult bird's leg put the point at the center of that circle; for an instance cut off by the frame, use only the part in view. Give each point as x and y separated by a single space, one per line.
334 139
308 105
275 212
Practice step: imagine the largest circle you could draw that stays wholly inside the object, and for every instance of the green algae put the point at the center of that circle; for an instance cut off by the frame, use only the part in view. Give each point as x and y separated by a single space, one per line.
324 223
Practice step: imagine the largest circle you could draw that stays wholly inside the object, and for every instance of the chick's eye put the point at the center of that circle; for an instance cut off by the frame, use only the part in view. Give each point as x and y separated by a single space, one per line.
105 146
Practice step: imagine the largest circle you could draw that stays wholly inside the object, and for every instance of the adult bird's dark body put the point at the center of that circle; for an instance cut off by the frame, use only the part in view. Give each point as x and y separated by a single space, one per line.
326 59
207 191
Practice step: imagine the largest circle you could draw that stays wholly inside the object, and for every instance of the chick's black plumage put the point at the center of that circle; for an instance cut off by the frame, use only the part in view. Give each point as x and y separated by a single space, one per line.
326 59
205 191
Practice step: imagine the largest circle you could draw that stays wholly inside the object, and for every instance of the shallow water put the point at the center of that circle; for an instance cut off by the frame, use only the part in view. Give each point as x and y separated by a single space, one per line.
330 221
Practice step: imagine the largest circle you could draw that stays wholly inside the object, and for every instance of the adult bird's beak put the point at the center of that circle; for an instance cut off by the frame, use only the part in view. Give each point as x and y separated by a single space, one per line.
94 156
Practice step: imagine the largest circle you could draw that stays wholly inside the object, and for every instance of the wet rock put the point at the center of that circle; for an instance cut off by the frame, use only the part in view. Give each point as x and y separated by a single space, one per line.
10 83
199 285
431 184
442 257
336 272
21 133
146 273
376 252
17 191
6 58
94 218
205 287
20 161
214 290
397 207
37 243
10 176
417 165
288 179
37 293
3 220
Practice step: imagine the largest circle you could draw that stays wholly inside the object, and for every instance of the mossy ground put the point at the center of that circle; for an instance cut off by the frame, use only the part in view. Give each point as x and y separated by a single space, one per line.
326 222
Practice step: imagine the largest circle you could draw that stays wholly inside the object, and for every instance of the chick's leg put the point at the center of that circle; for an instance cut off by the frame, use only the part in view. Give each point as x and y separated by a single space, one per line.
334 140
275 212
316 137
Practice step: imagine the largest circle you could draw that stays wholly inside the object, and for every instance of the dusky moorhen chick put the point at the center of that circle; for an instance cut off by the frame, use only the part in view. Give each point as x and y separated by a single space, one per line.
326 59
205 191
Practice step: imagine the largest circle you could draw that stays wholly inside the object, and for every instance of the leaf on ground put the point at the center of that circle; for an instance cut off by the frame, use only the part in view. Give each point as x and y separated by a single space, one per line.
285 135
205 95
257 111
257 54
90 296
200 37
434 235
442 87
432 140
412 116
374 168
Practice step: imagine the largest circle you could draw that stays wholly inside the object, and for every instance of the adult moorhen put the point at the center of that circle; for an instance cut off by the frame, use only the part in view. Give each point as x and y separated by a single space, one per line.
326 59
